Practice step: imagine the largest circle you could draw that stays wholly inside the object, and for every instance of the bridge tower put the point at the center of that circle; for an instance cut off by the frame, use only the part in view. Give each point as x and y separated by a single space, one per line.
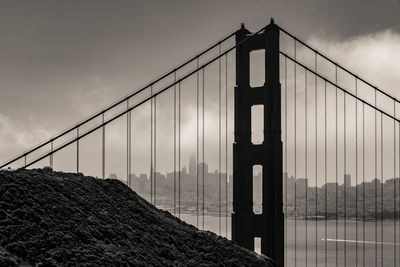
268 225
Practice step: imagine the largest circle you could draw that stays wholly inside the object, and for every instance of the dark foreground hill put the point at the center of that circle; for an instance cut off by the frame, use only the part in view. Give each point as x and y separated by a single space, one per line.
55 219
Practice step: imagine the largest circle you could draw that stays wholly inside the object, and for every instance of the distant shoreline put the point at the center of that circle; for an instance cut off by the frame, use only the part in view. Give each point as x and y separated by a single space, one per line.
352 219
341 219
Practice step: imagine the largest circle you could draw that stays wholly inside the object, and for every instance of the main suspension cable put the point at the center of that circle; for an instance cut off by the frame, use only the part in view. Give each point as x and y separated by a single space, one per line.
374 107
338 65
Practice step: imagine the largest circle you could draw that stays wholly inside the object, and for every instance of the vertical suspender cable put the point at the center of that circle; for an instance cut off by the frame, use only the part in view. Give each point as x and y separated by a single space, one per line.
179 149
174 143
398 211
128 148
394 189
202 136
295 159
363 178
155 150
286 163
316 160
376 192
51 156
219 142
77 150
226 145
103 164
197 145
381 184
127 144
325 176
345 170
151 145
356 172
336 168
306 154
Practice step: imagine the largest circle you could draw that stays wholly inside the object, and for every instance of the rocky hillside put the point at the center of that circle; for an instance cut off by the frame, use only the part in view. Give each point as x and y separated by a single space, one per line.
62 219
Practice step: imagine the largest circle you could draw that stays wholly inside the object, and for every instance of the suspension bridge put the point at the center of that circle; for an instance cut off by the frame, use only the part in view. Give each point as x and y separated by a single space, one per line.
306 153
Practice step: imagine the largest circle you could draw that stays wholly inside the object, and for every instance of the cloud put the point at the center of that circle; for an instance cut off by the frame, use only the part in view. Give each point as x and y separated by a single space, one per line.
16 137
92 96
374 56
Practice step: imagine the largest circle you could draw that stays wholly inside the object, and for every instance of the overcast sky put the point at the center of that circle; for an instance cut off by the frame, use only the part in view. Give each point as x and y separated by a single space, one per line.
60 61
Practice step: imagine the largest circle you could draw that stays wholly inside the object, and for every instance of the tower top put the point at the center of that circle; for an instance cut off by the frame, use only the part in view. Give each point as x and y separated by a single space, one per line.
272 21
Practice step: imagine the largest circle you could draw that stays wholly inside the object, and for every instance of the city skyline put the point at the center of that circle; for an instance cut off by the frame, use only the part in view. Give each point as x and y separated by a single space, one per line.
190 169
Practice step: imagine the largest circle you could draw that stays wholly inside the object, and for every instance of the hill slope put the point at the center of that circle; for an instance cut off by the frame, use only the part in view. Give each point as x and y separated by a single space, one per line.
54 219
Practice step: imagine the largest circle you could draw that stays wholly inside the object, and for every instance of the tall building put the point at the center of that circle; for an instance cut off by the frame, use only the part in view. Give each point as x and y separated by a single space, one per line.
184 170
201 165
301 186
302 183
192 166
347 180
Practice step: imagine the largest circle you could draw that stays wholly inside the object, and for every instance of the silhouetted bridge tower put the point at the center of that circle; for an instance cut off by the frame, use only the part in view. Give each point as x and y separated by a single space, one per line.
329 151
269 224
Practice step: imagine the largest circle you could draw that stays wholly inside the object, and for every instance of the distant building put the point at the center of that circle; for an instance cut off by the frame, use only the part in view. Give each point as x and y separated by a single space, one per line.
290 183
302 182
201 165
330 187
192 166
184 170
138 183
301 186
347 180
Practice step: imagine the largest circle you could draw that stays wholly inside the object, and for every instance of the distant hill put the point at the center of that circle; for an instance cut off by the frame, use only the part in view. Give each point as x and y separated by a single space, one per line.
62 219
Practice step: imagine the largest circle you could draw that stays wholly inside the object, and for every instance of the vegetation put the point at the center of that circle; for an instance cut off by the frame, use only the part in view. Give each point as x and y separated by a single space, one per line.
62 219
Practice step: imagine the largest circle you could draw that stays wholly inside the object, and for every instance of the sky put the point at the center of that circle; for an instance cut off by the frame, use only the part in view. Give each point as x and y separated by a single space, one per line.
61 61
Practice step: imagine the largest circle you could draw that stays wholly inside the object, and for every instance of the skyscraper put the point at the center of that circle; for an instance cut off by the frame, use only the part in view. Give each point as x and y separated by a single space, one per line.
347 180
201 166
192 166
